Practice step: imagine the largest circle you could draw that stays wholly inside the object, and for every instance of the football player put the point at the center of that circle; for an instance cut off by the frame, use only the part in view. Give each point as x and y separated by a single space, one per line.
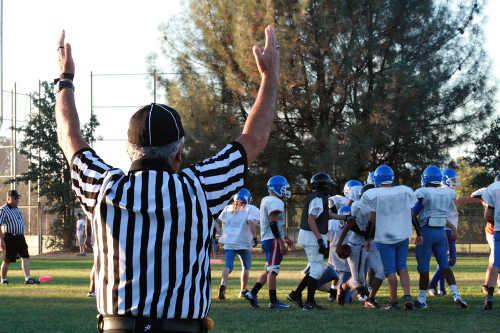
449 180
239 221
313 236
363 253
390 210
272 232
491 197
431 211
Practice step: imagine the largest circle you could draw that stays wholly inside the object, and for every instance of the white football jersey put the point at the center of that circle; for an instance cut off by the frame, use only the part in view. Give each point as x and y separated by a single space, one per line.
362 214
492 197
269 205
335 228
338 201
453 213
392 206
236 233
436 201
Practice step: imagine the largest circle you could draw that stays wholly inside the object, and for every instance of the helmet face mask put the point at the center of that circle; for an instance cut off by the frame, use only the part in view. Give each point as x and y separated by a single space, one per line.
450 178
352 189
279 186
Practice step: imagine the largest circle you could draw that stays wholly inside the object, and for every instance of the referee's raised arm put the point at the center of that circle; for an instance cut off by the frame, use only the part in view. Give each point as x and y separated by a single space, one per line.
260 119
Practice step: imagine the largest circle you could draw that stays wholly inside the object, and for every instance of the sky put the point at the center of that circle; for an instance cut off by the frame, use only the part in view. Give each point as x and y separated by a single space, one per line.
112 36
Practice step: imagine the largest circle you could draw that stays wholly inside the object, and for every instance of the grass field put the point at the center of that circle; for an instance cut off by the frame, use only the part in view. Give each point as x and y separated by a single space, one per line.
62 305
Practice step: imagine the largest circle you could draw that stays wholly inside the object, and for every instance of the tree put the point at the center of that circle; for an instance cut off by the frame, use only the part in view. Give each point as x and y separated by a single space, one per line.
362 82
471 177
48 164
487 152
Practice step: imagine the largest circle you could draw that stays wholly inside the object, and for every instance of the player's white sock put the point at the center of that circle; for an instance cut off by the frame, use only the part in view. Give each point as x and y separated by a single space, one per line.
454 290
422 296
26 278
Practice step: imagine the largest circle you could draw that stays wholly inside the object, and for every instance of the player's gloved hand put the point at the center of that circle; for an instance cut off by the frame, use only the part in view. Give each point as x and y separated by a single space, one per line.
322 248
255 242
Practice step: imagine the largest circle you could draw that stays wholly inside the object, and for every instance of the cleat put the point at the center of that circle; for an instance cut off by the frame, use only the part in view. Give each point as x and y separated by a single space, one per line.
5 281
419 305
460 302
332 295
391 306
371 304
252 299
408 303
434 292
312 306
222 293
295 298
32 281
243 292
278 305
488 305
91 294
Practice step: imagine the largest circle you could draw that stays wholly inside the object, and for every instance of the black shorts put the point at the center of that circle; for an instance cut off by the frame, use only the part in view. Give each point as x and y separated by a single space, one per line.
15 247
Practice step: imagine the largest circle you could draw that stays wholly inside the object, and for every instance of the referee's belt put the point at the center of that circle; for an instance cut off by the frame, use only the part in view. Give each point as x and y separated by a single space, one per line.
110 324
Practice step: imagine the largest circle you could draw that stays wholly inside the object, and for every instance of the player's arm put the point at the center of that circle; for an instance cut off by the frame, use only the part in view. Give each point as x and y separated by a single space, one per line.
69 136
415 212
273 224
350 225
253 231
488 214
260 119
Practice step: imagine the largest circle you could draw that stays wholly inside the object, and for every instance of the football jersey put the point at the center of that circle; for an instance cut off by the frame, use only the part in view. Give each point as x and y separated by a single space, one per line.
392 206
269 205
492 198
338 201
436 201
362 214
335 228
80 228
236 233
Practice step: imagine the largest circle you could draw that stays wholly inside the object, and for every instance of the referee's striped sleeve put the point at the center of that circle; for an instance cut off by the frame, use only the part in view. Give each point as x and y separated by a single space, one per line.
88 172
222 175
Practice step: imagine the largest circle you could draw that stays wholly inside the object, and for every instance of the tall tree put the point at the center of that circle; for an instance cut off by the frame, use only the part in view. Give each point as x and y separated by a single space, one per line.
362 82
487 152
48 165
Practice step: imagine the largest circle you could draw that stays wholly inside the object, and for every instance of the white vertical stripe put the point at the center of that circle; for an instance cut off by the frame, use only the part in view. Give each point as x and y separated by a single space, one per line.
100 286
110 214
165 257
179 244
122 250
175 121
152 241
136 257
192 252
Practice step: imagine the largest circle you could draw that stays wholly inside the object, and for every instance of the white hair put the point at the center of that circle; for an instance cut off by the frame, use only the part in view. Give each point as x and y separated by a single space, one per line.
166 152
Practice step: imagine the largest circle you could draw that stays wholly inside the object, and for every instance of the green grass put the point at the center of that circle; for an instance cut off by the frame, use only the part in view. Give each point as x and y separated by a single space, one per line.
62 305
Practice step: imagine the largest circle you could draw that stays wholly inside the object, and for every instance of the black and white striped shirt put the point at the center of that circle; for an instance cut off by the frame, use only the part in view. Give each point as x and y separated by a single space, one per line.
152 230
11 220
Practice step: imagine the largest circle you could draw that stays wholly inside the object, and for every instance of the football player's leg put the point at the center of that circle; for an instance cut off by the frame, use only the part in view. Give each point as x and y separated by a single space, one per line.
228 268
357 268
315 261
374 264
423 252
433 285
246 265
388 255
401 257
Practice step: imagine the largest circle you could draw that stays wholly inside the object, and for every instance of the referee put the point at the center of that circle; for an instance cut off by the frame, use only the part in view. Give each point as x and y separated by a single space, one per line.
12 241
152 225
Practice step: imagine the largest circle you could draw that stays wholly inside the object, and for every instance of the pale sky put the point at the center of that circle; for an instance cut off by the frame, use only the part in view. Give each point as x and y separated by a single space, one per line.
112 36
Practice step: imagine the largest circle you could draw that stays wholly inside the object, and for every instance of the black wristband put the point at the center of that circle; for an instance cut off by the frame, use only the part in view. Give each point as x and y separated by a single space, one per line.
67 76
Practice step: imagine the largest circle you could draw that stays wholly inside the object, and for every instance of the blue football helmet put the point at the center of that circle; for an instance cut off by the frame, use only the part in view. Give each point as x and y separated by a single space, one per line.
450 178
279 186
352 189
369 178
431 175
243 195
383 175
344 210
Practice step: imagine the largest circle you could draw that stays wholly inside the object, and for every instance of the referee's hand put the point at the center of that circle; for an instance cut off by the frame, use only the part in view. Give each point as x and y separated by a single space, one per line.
268 58
65 59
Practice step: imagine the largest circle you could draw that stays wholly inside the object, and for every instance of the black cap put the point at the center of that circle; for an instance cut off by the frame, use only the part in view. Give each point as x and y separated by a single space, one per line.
155 125
13 194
